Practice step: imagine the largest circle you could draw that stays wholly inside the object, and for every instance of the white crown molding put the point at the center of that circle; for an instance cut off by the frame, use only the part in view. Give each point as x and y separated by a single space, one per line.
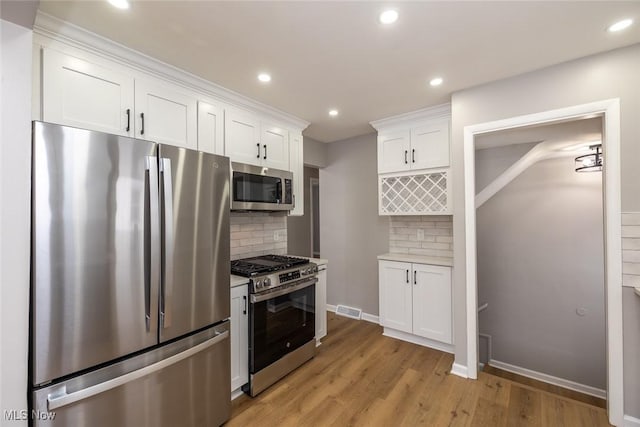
406 119
70 34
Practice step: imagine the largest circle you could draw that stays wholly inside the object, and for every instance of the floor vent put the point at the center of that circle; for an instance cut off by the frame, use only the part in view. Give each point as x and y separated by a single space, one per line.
354 313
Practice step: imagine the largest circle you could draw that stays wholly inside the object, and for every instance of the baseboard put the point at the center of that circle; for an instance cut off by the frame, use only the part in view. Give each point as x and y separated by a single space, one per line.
425 342
630 421
561 382
236 393
459 370
365 316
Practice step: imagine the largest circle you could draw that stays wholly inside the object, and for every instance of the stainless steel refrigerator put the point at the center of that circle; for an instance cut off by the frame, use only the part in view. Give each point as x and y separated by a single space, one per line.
130 282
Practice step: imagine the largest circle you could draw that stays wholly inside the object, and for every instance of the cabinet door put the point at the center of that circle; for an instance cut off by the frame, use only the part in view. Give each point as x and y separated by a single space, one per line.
430 145
210 128
239 337
242 137
393 152
296 165
275 146
165 115
432 302
81 94
321 305
395 295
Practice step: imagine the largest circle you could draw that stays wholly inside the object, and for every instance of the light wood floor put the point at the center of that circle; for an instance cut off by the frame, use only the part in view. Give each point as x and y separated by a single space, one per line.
362 378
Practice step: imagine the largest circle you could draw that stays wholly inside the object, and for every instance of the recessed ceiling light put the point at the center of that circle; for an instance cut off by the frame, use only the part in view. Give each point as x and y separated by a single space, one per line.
120 4
436 81
264 77
333 113
388 16
620 25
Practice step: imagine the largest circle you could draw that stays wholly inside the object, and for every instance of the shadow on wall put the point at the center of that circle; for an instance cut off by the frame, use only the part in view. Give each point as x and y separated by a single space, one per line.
300 228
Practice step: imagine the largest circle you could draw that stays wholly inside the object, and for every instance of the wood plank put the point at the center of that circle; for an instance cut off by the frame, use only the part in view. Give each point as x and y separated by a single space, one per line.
361 378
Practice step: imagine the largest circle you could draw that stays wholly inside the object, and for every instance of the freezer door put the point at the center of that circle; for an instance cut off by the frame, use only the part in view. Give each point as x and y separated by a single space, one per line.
95 249
194 193
185 383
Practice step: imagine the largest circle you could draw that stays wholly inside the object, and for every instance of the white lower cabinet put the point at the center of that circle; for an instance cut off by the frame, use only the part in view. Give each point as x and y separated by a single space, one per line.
415 300
239 336
321 304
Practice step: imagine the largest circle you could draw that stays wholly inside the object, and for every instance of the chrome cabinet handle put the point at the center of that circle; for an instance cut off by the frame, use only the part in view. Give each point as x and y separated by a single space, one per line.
167 250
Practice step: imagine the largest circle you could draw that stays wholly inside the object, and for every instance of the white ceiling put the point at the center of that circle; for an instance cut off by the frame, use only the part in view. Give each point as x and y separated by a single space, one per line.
334 54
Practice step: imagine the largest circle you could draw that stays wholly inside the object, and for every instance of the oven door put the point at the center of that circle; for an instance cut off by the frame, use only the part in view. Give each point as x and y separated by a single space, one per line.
280 322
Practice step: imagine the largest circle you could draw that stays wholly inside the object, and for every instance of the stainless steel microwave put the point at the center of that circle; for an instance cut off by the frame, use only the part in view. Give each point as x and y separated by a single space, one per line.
257 188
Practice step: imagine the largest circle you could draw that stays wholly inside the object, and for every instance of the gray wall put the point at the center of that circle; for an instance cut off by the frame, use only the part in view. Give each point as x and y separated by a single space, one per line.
614 74
540 259
15 188
351 232
492 162
315 153
299 227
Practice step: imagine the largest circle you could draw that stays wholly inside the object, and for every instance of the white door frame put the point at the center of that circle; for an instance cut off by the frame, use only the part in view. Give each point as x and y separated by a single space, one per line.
612 229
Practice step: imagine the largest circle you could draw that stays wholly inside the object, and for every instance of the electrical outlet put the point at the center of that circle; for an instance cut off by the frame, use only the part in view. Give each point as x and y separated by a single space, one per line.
420 234
276 235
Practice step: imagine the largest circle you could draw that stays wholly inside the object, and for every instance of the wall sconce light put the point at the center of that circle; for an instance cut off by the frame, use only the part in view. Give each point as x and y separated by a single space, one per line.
591 162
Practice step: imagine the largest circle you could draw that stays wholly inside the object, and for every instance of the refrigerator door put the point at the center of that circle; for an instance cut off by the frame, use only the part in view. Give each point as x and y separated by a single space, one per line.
95 249
194 193
185 383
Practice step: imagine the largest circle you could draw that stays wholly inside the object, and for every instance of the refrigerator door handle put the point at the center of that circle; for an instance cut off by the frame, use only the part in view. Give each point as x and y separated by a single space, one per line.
167 243
61 398
151 235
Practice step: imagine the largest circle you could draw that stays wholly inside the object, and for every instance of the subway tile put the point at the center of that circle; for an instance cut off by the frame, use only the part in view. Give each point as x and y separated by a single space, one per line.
241 235
631 268
630 243
631 231
631 280
631 256
631 218
251 227
444 239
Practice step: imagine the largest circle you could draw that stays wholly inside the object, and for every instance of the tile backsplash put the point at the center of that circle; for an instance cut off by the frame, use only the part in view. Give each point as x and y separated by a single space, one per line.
631 249
421 235
258 233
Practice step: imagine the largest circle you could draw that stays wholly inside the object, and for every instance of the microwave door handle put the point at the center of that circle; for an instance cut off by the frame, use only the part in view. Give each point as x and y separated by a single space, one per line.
167 244
280 191
151 235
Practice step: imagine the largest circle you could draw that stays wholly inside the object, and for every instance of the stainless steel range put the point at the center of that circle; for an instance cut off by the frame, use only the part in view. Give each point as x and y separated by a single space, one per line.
281 316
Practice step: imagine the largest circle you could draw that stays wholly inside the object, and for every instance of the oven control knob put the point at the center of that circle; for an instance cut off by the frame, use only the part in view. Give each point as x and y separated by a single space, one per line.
267 282
258 284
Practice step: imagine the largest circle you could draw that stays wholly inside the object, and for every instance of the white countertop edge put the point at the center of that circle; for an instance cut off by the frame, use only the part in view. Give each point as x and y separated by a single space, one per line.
420 259
238 280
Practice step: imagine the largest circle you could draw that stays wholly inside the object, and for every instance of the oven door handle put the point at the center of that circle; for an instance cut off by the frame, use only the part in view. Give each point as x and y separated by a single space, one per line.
288 290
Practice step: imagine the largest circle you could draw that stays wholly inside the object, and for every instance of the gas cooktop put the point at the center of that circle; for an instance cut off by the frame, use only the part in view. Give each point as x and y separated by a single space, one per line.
250 267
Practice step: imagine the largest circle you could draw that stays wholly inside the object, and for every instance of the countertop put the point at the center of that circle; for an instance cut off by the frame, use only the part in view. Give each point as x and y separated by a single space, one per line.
239 280
419 259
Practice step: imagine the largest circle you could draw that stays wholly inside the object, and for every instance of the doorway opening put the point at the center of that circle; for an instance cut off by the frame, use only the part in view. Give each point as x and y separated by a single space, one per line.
540 257
303 232
610 111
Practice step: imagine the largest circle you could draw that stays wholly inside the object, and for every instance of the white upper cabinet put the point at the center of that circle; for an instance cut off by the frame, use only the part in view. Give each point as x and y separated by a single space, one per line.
210 128
275 146
79 93
393 151
430 145
296 165
248 140
242 137
165 115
